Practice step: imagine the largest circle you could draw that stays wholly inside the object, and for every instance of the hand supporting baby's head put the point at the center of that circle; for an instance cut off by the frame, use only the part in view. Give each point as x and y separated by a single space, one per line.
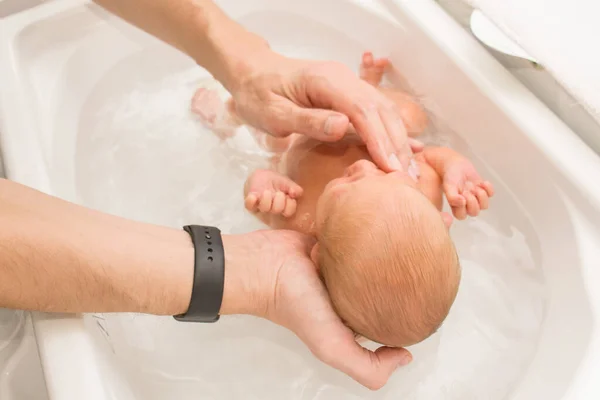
389 264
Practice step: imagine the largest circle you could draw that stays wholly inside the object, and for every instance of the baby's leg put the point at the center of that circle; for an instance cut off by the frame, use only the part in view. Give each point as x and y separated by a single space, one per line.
223 120
411 112
217 116
371 69
268 193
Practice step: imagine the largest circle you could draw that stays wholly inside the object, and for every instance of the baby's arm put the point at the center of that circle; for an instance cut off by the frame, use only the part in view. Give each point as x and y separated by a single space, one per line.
466 192
268 193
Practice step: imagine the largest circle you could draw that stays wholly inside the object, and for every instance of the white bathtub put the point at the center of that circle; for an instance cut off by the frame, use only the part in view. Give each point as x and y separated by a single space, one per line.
97 113
21 376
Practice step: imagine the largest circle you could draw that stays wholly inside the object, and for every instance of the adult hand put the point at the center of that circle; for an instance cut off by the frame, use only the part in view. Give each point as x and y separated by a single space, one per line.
276 94
282 95
270 274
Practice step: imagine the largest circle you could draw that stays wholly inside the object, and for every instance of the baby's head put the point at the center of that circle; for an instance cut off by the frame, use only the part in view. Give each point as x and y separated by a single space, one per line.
385 255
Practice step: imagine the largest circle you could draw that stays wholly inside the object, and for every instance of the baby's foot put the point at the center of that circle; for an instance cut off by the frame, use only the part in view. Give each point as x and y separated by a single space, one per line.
372 70
269 192
212 111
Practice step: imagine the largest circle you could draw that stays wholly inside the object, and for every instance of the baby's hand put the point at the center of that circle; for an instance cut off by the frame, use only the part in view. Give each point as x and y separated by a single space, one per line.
270 192
466 192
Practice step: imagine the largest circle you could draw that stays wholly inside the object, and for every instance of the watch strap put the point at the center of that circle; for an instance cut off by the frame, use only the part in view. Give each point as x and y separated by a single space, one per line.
209 275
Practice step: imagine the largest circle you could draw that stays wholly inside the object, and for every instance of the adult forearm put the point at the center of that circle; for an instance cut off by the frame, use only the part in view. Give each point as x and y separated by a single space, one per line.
57 256
198 28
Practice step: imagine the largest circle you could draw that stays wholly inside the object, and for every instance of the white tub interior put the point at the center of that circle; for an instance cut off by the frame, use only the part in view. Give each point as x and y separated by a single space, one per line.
110 120
21 376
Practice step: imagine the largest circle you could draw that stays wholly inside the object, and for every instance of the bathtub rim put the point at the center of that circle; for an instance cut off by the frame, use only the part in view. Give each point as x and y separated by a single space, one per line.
53 329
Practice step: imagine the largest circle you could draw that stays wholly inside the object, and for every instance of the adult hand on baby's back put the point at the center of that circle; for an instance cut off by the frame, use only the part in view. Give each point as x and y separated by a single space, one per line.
282 96
286 289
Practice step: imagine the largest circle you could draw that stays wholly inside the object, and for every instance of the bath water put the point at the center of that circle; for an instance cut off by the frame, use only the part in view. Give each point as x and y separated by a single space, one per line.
143 155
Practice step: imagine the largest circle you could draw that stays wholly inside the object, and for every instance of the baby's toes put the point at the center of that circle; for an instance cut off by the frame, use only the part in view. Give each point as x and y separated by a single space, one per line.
367 59
278 203
266 201
381 63
205 104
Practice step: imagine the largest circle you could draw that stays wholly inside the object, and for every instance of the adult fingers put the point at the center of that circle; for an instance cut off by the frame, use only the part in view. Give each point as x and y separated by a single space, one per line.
287 118
397 134
370 368
364 105
372 128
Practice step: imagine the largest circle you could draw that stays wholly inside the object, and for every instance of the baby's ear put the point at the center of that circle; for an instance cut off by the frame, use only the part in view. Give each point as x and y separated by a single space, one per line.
314 255
447 219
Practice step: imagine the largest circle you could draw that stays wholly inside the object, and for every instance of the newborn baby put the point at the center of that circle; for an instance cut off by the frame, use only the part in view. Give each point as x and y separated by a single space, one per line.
383 247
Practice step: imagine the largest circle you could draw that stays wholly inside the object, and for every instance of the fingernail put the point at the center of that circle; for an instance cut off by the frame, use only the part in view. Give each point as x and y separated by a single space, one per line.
413 170
394 162
407 359
332 122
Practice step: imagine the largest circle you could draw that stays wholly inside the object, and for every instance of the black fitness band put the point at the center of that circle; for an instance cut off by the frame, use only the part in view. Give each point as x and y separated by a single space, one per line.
209 275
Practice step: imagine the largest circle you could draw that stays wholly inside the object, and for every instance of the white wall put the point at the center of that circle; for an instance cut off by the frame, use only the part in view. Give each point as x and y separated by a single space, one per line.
540 82
12 6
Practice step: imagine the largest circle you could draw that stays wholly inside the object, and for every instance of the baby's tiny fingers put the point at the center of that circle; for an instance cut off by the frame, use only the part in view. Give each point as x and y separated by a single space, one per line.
460 213
278 203
290 208
488 187
251 201
482 197
457 201
472 204
469 186
266 201
295 191
454 198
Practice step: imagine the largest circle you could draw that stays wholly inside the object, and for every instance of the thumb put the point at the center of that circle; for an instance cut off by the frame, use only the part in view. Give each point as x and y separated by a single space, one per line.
374 368
370 368
324 125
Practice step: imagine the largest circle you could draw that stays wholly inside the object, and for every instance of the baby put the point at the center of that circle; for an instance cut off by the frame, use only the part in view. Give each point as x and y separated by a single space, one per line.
383 246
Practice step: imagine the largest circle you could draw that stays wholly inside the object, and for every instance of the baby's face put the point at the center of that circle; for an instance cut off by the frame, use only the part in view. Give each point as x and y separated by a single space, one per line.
361 177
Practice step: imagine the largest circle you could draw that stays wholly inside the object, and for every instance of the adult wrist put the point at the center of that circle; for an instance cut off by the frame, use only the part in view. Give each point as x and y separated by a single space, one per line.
235 52
246 286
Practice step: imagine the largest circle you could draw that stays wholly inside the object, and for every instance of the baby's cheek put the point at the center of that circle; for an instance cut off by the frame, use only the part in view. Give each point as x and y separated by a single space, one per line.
327 202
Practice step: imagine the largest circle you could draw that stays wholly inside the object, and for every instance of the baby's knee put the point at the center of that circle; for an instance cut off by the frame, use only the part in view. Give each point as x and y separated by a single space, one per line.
414 118
412 113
